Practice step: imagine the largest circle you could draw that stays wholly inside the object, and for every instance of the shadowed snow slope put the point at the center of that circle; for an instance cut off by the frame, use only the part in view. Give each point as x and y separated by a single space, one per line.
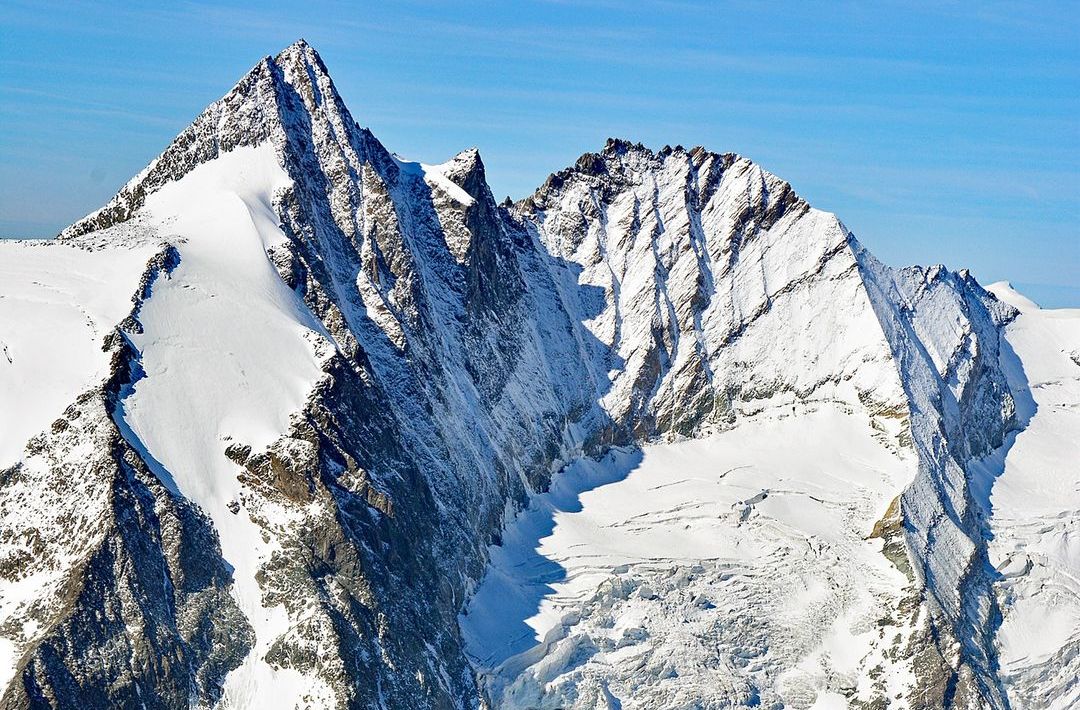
268 415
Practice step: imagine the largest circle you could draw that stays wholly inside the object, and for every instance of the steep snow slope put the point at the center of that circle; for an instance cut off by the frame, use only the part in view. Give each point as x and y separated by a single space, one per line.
1034 509
107 581
228 355
723 290
367 482
719 285
945 333
734 569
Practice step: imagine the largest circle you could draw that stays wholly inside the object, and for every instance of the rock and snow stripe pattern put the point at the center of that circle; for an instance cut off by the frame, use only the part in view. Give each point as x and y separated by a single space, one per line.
353 370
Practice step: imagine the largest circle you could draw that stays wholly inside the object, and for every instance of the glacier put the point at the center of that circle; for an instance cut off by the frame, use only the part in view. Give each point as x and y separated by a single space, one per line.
294 421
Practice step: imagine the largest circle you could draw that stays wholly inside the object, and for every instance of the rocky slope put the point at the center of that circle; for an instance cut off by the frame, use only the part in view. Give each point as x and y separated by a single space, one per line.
342 373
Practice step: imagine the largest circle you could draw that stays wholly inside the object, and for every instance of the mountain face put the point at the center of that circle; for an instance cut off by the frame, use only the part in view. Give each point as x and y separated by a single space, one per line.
312 384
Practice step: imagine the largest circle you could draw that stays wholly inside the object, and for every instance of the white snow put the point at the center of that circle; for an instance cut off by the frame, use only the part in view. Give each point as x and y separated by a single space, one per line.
229 352
734 568
1005 292
57 304
434 176
768 318
1035 508
629 570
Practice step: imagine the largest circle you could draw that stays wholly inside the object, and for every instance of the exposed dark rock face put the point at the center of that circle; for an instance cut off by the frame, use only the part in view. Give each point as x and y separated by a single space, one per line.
476 349
137 609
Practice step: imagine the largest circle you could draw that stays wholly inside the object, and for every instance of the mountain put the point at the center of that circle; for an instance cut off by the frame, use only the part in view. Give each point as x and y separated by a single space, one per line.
295 422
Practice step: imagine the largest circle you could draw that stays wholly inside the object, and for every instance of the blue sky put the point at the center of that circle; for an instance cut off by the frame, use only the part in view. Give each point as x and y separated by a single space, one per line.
949 133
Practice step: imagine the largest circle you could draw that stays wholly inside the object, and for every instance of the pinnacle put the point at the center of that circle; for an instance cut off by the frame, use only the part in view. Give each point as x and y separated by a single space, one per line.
467 160
614 146
467 170
299 47
300 56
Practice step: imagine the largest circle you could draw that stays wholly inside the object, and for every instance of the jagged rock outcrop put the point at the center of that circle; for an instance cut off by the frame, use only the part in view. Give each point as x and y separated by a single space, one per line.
746 294
300 501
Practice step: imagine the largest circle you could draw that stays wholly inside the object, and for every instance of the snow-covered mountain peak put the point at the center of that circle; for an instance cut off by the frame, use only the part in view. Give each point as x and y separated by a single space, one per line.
1007 293
302 71
622 166
326 378
300 55
288 99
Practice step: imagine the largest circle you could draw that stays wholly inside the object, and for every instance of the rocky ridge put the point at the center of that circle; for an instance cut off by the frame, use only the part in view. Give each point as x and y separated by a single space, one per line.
467 352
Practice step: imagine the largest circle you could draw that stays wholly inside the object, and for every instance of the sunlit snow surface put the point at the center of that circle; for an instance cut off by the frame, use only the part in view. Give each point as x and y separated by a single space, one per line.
1034 510
734 568
58 304
229 354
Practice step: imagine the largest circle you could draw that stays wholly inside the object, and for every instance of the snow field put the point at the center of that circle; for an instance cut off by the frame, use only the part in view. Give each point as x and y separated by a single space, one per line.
715 569
58 303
